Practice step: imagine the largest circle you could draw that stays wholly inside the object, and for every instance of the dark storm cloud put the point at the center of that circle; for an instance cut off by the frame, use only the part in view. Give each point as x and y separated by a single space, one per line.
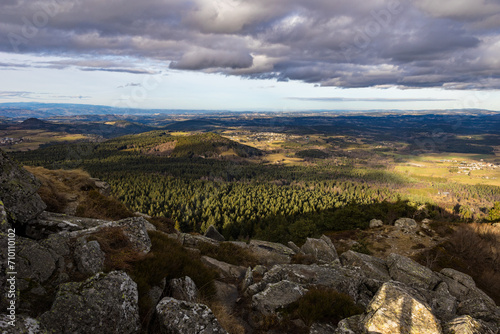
344 43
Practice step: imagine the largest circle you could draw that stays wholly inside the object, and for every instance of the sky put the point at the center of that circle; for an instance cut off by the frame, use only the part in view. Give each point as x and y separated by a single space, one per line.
276 55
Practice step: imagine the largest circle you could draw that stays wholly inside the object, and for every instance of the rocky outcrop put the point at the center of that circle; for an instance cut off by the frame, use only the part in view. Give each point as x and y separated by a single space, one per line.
183 289
212 233
224 269
351 325
134 228
394 310
467 325
105 303
23 325
277 295
48 223
192 240
406 225
180 317
319 328
343 279
268 253
88 256
374 223
322 250
470 300
372 267
103 187
18 191
405 270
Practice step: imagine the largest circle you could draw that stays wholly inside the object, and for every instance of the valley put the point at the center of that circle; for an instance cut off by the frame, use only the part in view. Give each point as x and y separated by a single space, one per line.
379 190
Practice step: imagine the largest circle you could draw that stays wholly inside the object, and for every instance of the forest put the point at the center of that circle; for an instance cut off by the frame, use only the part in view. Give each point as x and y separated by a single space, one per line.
199 179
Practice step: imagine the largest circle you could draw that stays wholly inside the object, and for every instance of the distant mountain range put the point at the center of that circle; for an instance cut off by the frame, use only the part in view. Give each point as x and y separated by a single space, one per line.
44 110
25 110
105 129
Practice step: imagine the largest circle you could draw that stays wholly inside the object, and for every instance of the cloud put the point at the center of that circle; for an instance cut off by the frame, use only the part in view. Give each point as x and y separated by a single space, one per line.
206 59
121 70
131 84
343 43
14 94
38 96
345 99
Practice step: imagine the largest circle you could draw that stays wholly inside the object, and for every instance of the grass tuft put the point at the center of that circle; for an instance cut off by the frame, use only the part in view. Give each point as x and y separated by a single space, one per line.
324 305
229 253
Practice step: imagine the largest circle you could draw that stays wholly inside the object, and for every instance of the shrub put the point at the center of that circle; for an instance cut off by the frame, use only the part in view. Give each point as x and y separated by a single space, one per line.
120 254
324 305
300 258
229 253
163 224
168 259
99 206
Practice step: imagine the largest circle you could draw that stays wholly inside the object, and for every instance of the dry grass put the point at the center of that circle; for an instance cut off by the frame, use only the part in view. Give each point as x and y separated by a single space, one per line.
96 205
226 318
324 305
229 253
61 186
120 253
163 224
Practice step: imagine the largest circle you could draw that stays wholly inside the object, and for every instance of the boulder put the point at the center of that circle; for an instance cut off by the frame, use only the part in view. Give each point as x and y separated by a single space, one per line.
48 223
320 328
5 229
471 300
4 222
134 228
345 280
269 253
407 225
468 325
277 295
183 289
394 310
224 269
227 294
149 227
372 267
181 317
212 233
426 224
104 303
156 292
322 250
18 191
88 256
405 270
247 280
294 247
35 262
351 325
193 240
103 187
443 304
23 325
374 223
459 283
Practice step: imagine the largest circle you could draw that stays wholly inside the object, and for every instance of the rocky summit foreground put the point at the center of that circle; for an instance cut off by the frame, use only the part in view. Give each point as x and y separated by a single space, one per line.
63 282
